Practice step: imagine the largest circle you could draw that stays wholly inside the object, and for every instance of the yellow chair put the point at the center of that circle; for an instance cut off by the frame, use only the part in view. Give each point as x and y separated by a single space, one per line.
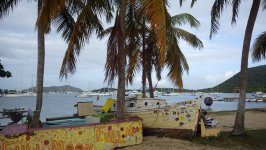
107 105
207 132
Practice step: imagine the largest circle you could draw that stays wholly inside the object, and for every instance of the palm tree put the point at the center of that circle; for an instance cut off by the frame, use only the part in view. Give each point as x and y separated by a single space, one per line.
175 60
5 7
153 9
155 12
121 60
40 73
217 9
142 51
259 48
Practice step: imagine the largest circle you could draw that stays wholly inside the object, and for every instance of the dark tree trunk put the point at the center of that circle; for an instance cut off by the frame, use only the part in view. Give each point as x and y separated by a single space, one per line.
150 84
149 69
144 66
122 61
239 127
40 73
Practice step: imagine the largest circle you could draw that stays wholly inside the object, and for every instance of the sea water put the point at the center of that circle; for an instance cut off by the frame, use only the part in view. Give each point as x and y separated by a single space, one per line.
61 105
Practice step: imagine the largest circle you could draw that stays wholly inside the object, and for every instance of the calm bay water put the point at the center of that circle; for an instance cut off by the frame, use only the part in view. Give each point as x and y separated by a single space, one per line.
59 105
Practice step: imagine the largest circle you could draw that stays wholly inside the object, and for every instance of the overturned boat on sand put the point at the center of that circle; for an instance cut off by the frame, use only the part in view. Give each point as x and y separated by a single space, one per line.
179 120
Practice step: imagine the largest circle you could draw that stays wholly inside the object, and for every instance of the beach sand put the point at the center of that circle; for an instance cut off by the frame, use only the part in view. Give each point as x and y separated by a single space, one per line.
253 120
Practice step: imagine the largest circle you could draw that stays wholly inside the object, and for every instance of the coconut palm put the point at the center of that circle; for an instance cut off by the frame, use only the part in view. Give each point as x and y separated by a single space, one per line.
142 51
217 9
175 60
113 65
153 9
155 12
259 48
5 7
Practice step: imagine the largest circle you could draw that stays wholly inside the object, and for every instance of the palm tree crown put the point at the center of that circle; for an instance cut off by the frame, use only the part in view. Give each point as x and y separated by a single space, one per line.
259 48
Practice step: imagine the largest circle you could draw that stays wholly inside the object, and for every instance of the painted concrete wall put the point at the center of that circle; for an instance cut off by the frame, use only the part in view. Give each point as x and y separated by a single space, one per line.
82 137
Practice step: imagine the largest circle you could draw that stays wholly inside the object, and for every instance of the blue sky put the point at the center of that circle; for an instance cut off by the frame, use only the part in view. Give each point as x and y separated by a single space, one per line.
216 62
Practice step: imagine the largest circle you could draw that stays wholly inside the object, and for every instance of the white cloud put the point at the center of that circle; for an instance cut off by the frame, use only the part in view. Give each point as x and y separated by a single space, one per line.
215 79
229 74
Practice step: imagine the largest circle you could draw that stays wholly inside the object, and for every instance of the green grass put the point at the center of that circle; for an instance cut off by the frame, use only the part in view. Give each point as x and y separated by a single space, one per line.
253 139
104 117
222 113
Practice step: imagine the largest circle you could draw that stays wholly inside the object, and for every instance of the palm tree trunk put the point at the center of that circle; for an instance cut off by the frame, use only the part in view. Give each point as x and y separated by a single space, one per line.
144 67
149 69
122 61
150 84
239 128
40 73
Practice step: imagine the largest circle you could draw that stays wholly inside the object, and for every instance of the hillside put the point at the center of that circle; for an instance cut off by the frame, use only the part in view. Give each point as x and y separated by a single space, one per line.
256 81
57 89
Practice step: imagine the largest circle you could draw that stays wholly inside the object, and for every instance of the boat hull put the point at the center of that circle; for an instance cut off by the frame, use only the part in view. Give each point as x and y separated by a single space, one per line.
181 118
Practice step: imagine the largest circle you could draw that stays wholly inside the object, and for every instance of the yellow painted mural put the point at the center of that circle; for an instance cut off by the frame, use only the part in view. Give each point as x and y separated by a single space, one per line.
81 137
183 115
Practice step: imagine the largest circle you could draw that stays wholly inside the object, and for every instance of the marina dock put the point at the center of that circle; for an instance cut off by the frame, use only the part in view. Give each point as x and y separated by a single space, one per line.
248 99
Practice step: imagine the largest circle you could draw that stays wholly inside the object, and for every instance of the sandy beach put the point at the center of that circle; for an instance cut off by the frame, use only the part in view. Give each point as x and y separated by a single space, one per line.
253 120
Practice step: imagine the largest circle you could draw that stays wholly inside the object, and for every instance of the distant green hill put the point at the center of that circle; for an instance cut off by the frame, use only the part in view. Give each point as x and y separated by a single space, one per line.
256 81
104 90
57 89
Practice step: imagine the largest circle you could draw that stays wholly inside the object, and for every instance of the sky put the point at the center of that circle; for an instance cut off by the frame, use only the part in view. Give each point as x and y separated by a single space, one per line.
217 61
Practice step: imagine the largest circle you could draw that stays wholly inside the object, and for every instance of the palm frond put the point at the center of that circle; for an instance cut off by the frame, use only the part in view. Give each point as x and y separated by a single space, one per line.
86 23
131 45
191 5
6 6
190 38
216 12
181 2
133 53
156 12
105 32
264 4
176 63
134 64
48 11
111 65
184 18
64 23
236 4
259 48
52 9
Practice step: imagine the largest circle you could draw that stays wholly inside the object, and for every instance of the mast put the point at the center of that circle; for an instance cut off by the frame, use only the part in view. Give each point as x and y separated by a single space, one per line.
21 78
32 83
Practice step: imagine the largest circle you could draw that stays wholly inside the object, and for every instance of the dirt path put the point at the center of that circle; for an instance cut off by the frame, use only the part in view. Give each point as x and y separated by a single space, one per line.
254 120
